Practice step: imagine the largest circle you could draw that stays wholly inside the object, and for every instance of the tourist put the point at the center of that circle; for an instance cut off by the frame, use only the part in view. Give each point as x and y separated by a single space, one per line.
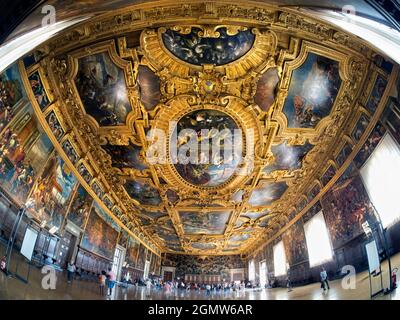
208 289
111 278
102 282
70 271
324 279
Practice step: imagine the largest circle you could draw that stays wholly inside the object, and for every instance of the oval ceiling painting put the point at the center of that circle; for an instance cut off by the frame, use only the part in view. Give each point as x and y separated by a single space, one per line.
198 50
208 147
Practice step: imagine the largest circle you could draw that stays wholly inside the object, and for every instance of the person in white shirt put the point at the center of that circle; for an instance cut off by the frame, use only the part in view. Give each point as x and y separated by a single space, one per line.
324 279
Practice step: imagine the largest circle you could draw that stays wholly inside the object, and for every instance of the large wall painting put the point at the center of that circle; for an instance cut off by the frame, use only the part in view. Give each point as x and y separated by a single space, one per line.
312 91
204 223
267 192
295 243
11 94
370 144
24 146
207 126
141 257
132 251
52 193
80 207
198 50
346 207
101 86
99 237
287 157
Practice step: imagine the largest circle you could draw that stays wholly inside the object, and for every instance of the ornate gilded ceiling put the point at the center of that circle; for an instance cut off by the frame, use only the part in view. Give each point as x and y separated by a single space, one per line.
291 84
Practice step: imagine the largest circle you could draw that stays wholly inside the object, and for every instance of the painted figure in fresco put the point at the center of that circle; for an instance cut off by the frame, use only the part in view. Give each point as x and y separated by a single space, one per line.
38 90
213 128
143 192
10 94
80 207
370 144
197 50
55 126
266 85
149 84
312 91
126 156
376 94
101 85
211 223
70 151
360 127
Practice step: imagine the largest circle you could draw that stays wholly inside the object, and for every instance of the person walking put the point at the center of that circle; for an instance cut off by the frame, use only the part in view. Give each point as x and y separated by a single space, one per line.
102 282
70 271
111 278
324 279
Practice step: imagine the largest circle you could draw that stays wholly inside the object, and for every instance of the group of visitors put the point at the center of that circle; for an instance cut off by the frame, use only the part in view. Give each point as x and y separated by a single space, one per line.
106 279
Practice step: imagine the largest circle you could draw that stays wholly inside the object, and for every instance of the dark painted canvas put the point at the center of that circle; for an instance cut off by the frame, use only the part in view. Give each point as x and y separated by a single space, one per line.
38 90
126 156
80 207
149 84
102 88
346 206
94 240
196 49
376 94
142 192
370 144
360 127
294 241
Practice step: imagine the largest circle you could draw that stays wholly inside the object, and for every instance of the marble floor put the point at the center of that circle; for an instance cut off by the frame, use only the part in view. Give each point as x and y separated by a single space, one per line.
12 288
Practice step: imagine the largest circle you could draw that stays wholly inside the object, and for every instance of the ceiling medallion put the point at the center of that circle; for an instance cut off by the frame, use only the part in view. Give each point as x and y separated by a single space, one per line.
209 147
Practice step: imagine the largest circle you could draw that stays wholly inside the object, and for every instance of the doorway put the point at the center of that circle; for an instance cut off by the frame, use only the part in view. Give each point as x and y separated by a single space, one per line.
263 274
146 269
119 256
167 276
66 249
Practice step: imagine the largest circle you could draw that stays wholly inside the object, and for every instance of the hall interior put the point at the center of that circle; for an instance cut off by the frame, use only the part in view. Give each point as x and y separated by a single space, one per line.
200 150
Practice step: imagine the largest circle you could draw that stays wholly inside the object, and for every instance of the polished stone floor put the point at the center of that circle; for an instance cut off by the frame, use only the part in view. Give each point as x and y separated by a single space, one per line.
12 288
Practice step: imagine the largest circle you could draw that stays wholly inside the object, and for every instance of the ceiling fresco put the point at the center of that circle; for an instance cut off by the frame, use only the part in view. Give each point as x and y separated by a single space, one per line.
301 93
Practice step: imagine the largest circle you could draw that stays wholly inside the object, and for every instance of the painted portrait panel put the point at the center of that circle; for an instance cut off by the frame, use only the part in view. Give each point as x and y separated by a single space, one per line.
55 125
12 94
360 127
70 151
126 156
99 237
106 217
149 84
198 50
343 154
208 223
267 192
84 172
294 241
328 175
312 91
391 118
101 86
142 192
370 144
132 251
39 90
141 257
80 207
266 86
376 94
313 192
24 148
346 207
208 128
287 157
52 193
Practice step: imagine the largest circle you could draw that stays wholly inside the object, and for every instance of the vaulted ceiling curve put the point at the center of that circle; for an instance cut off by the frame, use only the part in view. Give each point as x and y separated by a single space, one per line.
293 85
